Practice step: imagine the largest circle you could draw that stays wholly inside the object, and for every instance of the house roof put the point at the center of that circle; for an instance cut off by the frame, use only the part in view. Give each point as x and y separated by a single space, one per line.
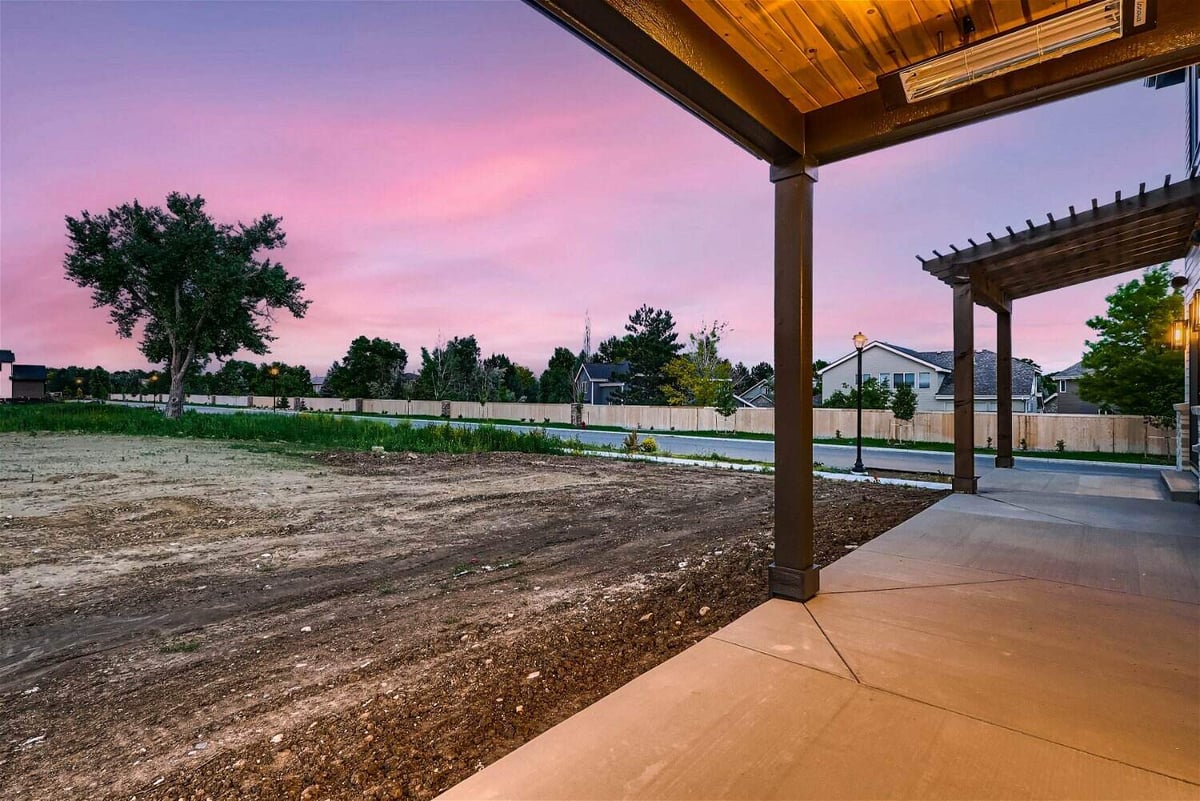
1024 377
599 371
28 372
940 360
1074 371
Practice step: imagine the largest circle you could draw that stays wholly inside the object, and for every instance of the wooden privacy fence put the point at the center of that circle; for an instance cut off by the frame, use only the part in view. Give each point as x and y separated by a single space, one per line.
1041 432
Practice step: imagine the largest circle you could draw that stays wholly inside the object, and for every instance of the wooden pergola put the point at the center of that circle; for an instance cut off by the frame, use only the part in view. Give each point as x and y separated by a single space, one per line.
1151 227
798 83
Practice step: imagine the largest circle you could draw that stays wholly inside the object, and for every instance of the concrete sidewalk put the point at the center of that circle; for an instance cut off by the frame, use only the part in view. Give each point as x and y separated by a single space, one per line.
1021 643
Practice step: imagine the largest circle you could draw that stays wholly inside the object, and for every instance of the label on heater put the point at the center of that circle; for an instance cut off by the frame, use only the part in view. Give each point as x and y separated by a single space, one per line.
1139 13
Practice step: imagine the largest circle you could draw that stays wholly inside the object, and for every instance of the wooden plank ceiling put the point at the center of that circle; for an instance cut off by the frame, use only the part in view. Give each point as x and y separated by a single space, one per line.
1153 226
817 53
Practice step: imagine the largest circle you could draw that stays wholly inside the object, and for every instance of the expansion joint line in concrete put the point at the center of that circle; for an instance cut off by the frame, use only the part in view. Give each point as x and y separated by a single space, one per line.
831 644
925 586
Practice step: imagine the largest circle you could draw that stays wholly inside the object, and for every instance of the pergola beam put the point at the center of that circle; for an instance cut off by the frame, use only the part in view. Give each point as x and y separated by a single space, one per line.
988 293
1159 202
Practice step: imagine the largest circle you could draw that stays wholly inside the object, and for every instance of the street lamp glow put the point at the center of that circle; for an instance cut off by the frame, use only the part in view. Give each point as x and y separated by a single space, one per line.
860 341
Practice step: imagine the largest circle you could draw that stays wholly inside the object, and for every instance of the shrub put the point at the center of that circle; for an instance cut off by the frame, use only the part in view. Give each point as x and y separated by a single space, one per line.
631 442
904 402
648 445
1060 446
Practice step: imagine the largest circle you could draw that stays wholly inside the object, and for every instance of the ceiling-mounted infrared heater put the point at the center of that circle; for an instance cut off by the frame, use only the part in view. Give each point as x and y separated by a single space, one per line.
1067 32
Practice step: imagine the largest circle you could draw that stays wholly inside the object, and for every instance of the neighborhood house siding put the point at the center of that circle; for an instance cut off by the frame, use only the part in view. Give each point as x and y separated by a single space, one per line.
879 361
930 376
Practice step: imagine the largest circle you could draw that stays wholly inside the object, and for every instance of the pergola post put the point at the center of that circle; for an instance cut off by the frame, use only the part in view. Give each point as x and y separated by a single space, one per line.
1004 411
792 573
964 387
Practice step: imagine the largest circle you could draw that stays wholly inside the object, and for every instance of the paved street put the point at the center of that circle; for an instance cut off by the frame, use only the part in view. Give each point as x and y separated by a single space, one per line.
835 456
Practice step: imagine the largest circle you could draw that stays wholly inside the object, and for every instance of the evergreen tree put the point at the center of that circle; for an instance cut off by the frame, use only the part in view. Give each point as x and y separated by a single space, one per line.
1131 365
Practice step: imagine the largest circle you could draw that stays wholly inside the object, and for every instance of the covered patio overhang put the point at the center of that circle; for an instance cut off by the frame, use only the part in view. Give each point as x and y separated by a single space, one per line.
1151 227
806 82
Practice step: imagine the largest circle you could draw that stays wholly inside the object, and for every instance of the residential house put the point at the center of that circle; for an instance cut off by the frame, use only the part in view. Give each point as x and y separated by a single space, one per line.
931 376
28 381
600 384
1065 399
759 396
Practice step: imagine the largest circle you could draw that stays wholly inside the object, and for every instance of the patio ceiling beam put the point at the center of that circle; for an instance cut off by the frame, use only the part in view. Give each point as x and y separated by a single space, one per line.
669 47
862 124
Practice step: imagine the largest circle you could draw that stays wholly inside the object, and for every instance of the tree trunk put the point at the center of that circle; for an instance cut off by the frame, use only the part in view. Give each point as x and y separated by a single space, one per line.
175 401
180 362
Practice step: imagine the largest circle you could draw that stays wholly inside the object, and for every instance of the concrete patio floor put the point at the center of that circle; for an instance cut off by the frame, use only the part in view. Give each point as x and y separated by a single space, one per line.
1038 640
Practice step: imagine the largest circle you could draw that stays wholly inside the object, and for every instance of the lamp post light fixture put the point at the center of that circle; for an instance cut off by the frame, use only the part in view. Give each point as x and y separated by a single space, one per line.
154 386
274 371
860 342
78 387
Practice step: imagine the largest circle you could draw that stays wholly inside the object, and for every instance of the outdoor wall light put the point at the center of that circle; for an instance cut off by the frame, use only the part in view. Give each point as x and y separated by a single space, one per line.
1059 35
1177 334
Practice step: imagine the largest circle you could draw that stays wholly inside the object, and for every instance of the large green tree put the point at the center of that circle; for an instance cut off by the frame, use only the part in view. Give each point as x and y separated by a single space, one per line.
649 345
371 368
557 384
450 370
79 382
875 396
697 377
1131 366
197 287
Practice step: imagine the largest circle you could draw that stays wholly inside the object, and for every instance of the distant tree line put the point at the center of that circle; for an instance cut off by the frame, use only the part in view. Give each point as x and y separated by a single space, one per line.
661 370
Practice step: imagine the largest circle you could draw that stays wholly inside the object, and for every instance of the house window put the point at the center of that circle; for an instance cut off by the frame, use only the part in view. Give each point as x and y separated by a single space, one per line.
923 382
1062 386
883 379
903 378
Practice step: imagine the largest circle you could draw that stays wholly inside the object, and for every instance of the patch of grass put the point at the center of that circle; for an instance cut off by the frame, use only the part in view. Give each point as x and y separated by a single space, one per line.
316 431
180 647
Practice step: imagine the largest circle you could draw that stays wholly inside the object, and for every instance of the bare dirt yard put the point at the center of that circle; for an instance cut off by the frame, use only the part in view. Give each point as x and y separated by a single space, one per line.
194 620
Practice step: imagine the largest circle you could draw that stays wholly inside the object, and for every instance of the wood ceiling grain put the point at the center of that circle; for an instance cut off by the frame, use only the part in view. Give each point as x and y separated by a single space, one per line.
820 52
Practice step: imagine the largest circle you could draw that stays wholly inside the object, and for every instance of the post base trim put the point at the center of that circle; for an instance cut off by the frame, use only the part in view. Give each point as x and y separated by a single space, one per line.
796 585
969 485
1004 461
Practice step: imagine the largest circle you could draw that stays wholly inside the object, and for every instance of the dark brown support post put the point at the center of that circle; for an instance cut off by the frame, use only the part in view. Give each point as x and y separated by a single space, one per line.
1004 418
793 574
964 387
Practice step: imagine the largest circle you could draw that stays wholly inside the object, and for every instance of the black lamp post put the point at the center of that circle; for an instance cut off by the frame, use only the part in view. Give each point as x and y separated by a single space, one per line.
274 371
860 342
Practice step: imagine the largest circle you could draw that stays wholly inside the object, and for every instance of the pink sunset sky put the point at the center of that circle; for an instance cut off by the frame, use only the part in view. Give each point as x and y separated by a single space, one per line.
470 168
